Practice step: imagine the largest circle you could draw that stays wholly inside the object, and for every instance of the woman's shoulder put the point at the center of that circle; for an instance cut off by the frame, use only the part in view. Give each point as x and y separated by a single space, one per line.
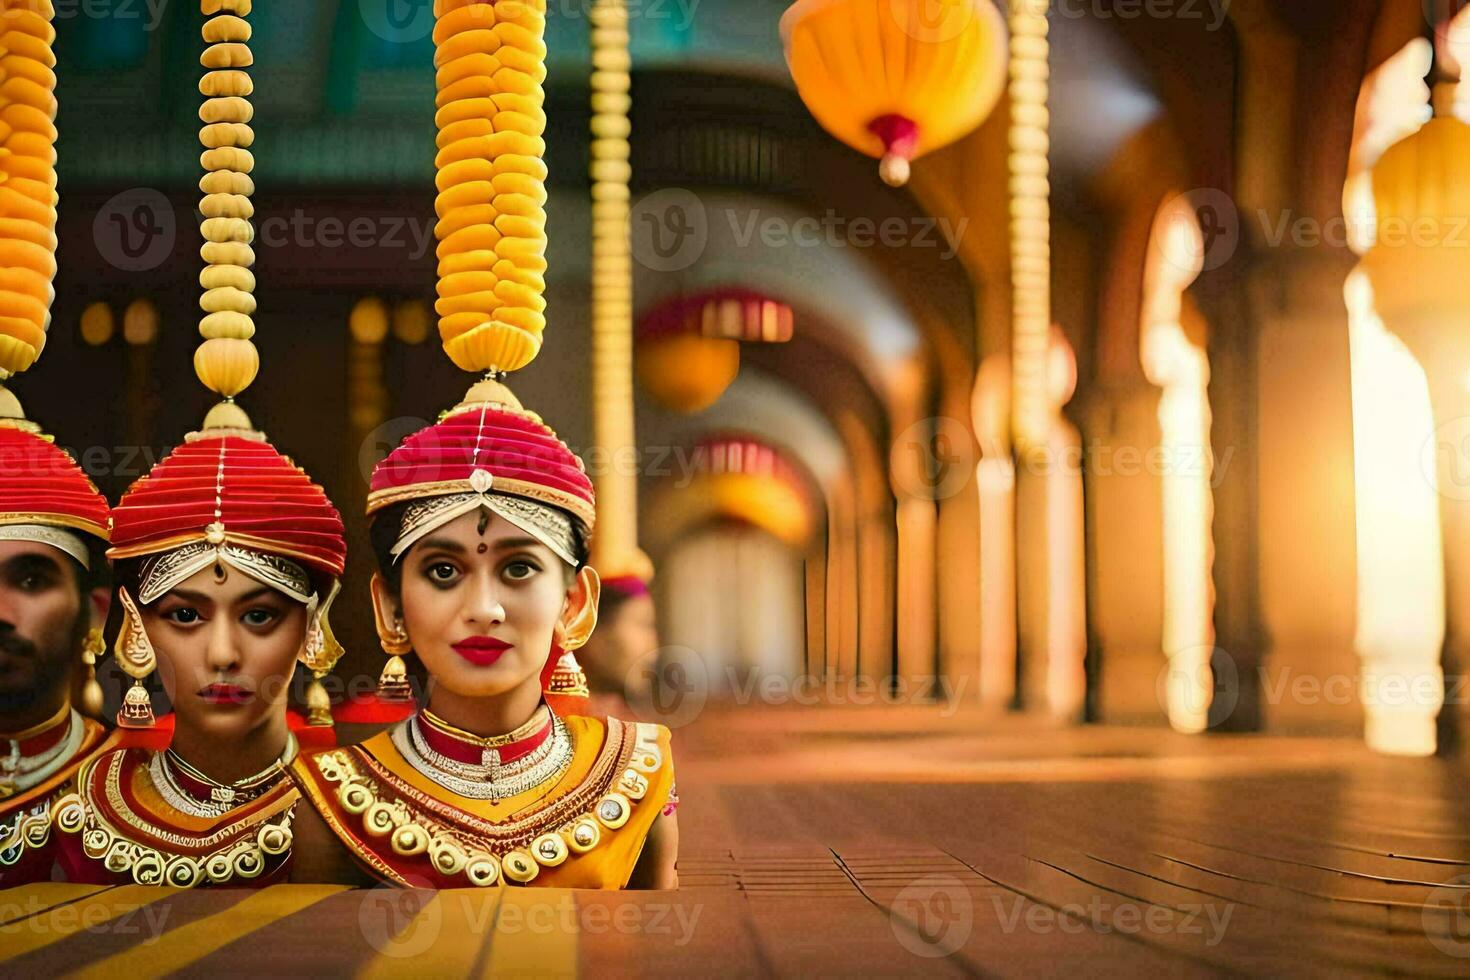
609 726
636 756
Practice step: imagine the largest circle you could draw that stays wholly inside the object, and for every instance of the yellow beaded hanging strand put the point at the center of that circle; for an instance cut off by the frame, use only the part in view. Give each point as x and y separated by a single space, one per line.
490 61
27 187
615 548
28 201
227 361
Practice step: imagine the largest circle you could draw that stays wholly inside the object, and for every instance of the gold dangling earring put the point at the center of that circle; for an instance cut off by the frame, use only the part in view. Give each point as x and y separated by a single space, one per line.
393 681
93 647
136 656
320 652
567 678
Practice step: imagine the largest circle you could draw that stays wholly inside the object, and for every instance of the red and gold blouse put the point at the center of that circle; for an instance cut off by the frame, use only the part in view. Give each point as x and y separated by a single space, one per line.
559 802
124 823
34 775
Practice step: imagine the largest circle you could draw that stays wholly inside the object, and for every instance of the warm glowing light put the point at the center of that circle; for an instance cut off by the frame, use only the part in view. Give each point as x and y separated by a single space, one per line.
1173 361
1066 591
97 324
744 315
141 322
1411 362
1401 588
411 322
368 321
996 485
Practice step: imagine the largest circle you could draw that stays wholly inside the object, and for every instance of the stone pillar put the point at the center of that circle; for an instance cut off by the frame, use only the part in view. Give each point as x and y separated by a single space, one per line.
1306 498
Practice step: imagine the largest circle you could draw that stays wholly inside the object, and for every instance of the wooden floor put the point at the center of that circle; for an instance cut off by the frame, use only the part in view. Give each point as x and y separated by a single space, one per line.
895 841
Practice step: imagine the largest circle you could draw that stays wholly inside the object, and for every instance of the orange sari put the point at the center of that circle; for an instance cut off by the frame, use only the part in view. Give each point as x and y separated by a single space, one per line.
582 829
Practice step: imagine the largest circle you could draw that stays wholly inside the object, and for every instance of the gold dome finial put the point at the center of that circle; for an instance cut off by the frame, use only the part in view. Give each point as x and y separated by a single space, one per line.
227 415
10 407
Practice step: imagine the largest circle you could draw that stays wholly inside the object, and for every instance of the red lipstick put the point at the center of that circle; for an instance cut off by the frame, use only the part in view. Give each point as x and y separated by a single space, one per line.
224 694
482 651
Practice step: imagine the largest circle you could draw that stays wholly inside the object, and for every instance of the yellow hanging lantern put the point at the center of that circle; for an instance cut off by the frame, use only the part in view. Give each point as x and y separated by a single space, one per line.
745 479
687 372
1418 263
896 79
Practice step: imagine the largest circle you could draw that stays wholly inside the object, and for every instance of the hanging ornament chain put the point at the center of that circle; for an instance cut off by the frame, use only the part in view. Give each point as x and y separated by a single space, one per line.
27 184
1030 189
491 177
612 283
227 361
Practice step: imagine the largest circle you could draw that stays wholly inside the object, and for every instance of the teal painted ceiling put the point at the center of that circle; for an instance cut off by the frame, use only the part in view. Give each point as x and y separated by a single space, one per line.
344 90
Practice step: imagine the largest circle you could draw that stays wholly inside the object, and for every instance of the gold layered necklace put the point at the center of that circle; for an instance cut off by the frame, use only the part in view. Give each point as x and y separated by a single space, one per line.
223 797
490 779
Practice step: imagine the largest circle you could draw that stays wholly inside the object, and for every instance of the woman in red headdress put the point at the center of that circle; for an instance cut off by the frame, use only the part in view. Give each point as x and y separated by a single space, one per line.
481 524
227 558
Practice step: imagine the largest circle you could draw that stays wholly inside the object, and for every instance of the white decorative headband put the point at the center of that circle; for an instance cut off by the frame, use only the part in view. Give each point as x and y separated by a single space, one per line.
163 572
57 537
546 524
